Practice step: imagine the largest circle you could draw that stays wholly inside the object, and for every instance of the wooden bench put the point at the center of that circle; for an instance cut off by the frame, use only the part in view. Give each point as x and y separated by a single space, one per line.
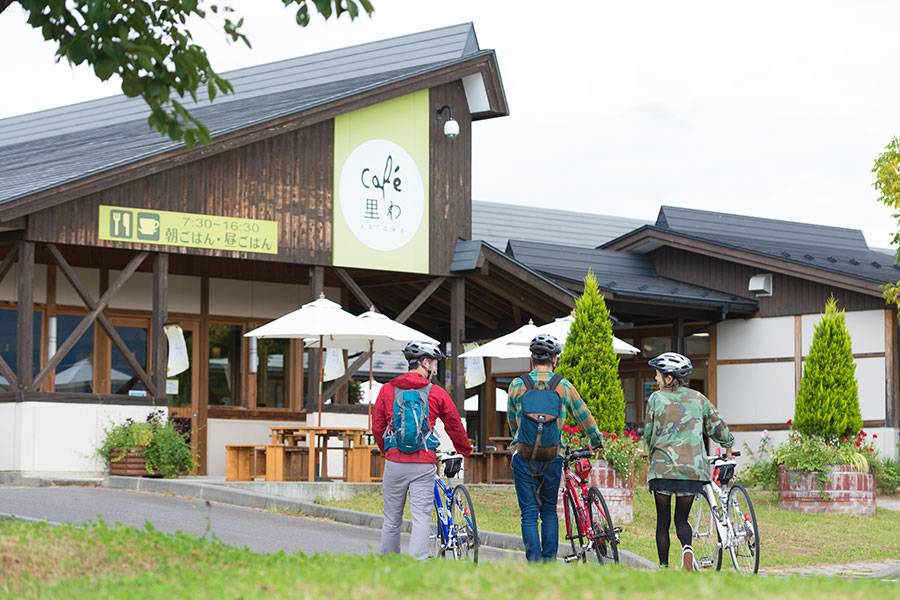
246 462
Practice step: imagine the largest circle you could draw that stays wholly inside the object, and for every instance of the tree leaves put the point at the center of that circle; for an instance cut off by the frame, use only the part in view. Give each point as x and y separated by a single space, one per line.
589 361
149 45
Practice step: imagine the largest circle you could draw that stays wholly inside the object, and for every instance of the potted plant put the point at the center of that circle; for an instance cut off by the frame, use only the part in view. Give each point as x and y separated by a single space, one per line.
153 447
826 463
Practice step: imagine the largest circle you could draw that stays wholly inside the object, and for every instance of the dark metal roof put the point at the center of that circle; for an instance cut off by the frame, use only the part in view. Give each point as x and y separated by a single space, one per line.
496 223
45 149
623 274
834 249
466 256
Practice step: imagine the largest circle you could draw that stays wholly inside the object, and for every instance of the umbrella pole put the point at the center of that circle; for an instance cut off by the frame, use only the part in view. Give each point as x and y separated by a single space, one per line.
371 377
321 376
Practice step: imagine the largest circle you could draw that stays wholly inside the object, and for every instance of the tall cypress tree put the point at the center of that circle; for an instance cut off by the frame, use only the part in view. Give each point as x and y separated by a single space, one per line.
589 361
828 399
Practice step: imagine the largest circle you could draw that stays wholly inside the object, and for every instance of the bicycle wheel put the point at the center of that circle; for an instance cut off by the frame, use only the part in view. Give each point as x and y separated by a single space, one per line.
606 546
465 527
745 551
706 541
574 533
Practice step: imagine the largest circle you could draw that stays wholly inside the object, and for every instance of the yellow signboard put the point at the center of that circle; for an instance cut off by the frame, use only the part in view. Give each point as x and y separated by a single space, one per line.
188 230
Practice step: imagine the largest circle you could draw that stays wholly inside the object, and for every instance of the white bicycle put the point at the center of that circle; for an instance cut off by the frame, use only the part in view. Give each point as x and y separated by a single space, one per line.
722 520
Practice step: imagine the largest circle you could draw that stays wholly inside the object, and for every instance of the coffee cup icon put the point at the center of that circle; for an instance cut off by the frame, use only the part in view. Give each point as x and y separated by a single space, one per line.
148 226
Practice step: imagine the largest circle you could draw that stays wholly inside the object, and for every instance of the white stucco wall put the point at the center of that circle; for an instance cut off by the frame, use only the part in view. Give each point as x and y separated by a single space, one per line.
8 285
866 330
9 420
755 393
52 439
770 337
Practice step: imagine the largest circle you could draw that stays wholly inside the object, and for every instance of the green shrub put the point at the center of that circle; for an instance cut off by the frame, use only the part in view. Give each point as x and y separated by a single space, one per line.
827 403
589 361
762 472
887 475
166 451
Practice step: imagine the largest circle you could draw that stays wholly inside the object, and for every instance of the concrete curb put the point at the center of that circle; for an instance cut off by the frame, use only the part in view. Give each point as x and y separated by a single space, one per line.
229 495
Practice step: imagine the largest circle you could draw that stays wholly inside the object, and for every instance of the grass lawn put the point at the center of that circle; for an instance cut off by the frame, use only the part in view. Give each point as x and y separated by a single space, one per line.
788 539
103 562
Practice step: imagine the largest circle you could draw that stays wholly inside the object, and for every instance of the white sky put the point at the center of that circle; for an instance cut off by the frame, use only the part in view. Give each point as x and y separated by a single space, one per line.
775 109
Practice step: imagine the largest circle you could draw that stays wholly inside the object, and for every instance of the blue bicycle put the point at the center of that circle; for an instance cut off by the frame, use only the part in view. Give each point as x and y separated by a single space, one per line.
456 531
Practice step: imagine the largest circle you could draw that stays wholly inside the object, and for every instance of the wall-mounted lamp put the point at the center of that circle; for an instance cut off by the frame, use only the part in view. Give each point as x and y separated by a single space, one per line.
451 127
51 337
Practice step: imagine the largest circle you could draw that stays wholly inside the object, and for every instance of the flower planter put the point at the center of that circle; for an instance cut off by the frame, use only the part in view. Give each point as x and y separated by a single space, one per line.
619 494
845 491
130 465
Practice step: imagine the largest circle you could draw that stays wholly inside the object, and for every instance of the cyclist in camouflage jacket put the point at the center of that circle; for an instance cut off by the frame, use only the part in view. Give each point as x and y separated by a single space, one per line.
677 419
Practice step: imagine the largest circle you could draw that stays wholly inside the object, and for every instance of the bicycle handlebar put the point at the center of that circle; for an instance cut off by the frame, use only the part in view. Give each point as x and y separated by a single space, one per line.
722 457
580 453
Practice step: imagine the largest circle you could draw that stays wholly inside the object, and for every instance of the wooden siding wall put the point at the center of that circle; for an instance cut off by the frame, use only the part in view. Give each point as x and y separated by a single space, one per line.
450 176
288 178
791 296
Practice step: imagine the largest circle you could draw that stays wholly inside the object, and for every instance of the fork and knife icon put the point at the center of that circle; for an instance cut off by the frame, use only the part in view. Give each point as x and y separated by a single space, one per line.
121 223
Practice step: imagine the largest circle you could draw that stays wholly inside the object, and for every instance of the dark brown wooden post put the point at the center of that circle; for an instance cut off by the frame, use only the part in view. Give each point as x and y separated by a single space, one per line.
316 288
457 335
200 412
25 317
160 310
679 335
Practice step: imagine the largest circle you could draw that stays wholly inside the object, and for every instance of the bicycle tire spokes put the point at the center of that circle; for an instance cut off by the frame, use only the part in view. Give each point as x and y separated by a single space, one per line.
745 543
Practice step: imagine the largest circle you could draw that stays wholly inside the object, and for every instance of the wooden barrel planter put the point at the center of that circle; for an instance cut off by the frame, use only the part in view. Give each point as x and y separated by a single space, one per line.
130 465
618 493
845 491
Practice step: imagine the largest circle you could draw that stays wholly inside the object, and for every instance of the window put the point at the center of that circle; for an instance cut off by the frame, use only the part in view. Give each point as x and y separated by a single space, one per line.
697 344
629 388
122 378
225 346
75 373
271 383
655 345
8 342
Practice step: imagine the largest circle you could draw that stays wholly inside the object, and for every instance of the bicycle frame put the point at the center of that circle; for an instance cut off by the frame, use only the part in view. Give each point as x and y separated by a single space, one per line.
718 500
579 491
445 514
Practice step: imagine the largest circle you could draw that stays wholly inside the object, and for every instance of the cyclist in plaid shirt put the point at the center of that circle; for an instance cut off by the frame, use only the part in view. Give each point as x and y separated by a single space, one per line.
537 481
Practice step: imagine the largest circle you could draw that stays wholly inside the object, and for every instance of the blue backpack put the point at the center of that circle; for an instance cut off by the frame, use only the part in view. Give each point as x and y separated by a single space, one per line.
539 435
409 430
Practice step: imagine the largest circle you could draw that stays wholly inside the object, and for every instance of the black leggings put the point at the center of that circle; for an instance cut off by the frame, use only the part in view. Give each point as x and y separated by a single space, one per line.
664 519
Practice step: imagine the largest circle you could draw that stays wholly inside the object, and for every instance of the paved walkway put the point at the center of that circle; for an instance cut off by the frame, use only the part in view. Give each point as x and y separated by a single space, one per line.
259 530
881 569
892 503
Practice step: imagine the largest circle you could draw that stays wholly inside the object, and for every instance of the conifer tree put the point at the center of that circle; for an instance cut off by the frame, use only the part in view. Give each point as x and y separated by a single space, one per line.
590 362
828 400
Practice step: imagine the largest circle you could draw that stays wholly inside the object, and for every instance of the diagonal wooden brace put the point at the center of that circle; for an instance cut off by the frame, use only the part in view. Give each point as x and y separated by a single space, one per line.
96 311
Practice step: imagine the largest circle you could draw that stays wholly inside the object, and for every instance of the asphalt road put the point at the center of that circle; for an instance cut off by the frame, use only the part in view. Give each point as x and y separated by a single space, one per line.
258 530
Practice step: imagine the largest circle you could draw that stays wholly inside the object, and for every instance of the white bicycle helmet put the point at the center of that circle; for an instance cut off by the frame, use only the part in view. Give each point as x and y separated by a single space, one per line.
672 363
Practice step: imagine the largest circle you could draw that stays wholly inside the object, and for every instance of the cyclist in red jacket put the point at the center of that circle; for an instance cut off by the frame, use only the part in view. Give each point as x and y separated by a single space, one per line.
410 464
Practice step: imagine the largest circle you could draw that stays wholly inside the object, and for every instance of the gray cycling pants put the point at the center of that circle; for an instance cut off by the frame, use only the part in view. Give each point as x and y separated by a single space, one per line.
417 479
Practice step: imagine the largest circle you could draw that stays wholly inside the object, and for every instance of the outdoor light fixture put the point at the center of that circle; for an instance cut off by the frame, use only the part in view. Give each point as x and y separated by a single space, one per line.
451 126
254 355
51 337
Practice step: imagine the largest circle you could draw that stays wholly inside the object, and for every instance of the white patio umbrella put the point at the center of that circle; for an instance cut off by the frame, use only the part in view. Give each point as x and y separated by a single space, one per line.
379 333
559 329
314 320
501 346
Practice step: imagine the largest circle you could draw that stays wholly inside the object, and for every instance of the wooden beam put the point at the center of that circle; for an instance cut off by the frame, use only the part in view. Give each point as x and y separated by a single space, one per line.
9 260
404 315
111 331
158 316
89 318
351 285
25 315
316 288
457 335
521 302
8 374
200 418
419 300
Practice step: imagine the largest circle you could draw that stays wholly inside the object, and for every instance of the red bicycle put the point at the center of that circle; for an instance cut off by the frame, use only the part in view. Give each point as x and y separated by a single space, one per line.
589 526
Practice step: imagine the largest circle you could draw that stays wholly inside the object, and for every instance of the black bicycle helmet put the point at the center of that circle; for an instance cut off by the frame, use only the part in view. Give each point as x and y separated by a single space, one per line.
544 347
415 351
672 363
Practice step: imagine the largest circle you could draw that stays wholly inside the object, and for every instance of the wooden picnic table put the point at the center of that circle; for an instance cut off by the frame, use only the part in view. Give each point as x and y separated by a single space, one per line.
316 439
504 453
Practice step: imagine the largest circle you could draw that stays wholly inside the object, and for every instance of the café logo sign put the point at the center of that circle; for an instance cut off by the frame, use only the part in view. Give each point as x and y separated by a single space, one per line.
382 196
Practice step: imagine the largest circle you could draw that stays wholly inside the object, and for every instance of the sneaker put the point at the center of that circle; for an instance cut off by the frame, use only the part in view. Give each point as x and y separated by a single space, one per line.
687 558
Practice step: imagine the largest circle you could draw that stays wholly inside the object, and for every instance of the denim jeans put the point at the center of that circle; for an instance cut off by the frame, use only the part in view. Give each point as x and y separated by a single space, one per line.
537 486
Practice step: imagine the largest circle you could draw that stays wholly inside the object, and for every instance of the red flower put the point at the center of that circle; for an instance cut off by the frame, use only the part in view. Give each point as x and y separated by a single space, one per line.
858 443
843 440
871 449
613 437
634 438
874 436
863 433
790 422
